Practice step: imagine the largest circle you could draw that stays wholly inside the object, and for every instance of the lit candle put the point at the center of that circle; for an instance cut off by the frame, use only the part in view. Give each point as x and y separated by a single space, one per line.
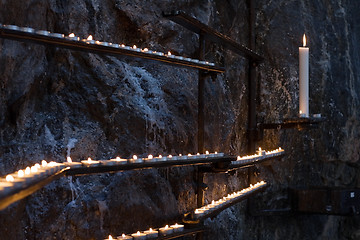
72 37
166 230
5 186
109 238
151 233
90 162
124 237
160 158
70 163
199 212
119 161
135 159
90 39
177 227
15 181
304 79
139 236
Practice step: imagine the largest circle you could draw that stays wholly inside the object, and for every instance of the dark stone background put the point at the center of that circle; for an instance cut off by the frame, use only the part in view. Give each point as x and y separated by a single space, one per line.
56 101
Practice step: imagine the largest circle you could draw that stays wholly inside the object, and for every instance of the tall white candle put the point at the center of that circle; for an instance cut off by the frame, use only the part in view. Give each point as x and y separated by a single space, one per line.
304 79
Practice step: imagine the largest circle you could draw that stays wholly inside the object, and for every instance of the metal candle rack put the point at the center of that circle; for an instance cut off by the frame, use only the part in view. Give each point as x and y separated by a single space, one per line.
191 218
19 192
59 40
206 33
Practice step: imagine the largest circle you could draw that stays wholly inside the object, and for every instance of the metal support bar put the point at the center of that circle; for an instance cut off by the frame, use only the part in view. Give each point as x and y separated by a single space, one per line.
252 83
201 88
200 28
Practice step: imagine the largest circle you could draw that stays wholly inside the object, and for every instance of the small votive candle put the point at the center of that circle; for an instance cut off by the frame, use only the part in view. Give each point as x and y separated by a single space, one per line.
139 236
166 230
119 161
150 158
5 186
109 238
124 237
90 162
177 227
136 159
72 37
90 40
70 163
151 233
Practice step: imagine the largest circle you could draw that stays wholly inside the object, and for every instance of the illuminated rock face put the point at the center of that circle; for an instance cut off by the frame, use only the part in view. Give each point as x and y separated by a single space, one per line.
55 102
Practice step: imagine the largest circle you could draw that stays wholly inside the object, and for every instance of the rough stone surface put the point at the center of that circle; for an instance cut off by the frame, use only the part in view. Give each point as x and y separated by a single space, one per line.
56 102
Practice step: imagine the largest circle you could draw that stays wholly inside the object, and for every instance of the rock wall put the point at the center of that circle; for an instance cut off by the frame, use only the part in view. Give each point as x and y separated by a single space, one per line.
56 102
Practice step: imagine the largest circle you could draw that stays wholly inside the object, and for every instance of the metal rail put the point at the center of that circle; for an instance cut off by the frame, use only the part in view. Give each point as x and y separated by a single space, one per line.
101 49
210 34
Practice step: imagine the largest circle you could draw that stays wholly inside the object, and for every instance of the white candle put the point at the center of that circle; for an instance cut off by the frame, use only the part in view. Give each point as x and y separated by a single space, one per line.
119 161
166 230
139 236
177 227
125 237
304 79
90 39
5 186
70 163
110 238
90 162
151 233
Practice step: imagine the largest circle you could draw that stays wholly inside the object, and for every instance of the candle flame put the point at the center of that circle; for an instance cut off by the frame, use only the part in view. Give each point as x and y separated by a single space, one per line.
9 178
134 157
123 235
43 163
90 38
27 170
21 173
118 158
110 237
71 35
169 53
89 160
304 40
134 47
167 226
150 229
206 152
138 233
260 149
150 156
146 49
68 159
37 166
160 156
170 156
33 169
